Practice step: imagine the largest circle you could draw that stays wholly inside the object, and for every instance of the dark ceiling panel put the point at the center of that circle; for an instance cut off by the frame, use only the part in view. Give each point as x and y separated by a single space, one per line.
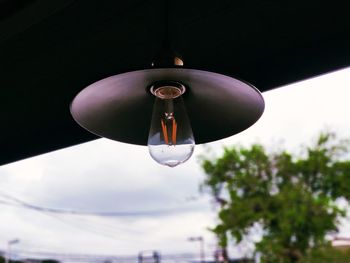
50 50
8 7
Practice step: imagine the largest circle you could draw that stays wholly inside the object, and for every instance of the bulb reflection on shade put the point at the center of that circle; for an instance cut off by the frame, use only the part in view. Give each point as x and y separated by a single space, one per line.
170 140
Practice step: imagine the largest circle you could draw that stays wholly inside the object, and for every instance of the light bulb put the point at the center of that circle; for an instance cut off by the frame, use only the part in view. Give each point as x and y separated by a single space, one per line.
170 140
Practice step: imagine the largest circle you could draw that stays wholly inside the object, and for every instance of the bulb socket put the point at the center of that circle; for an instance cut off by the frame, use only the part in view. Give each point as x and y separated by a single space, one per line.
167 90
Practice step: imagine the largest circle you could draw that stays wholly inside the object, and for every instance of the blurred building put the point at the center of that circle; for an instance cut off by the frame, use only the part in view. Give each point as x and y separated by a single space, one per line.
341 243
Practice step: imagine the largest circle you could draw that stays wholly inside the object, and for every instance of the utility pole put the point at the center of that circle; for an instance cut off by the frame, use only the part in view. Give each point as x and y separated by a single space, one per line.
223 250
9 243
201 247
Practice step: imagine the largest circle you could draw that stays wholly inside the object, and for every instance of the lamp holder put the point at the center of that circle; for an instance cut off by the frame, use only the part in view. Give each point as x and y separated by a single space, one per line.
167 89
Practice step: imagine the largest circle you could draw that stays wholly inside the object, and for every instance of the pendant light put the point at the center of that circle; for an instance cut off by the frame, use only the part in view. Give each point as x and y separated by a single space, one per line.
168 107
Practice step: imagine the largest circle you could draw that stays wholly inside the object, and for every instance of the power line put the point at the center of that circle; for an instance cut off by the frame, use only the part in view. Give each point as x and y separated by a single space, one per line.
18 202
104 230
93 229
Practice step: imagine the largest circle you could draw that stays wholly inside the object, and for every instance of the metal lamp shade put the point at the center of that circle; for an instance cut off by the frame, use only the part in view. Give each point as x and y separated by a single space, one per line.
120 107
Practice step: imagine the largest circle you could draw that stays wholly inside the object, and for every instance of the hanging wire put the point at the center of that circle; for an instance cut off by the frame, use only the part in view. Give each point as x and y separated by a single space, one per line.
64 217
14 201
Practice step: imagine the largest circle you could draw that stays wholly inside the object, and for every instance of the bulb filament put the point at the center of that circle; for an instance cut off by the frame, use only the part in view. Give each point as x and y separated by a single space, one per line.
172 129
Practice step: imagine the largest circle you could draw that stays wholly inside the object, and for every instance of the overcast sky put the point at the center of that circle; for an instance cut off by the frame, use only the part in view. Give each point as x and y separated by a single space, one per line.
108 176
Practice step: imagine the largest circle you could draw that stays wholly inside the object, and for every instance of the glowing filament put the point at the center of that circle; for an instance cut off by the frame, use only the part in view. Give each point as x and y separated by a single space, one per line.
172 131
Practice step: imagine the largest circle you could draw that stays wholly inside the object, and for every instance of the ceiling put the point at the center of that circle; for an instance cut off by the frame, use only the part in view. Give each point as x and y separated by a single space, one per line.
50 50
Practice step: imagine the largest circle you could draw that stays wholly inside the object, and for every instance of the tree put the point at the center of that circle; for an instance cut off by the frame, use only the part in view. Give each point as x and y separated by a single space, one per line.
291 197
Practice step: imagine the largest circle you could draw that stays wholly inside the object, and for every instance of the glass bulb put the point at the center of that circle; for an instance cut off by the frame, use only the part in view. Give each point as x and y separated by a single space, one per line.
170 140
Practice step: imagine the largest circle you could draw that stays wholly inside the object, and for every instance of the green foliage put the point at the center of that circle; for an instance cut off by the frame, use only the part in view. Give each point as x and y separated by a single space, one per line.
292 197
327 255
